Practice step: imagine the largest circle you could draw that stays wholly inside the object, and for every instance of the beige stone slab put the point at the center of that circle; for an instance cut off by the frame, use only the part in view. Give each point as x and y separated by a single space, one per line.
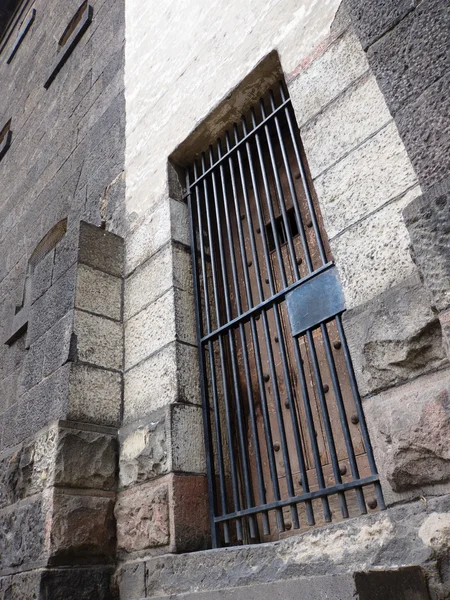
94 395
367 178
170 317
99 340
327 76
98 292
352 118
373 255
166 377
170 266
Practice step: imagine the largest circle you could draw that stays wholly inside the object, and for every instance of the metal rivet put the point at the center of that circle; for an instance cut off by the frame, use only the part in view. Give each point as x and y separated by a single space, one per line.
257 318
267 280
297 176
342 469
326 388
372 503
299 261
258 230
288 525
276 339
249 263
337 345
287 405
300 482
276 447
242 217
266 378
354 419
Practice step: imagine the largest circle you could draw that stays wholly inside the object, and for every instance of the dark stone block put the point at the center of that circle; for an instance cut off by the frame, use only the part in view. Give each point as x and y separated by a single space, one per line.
66 252
413 55
425 129
21 586
405 583
78 584
372 20
101 249
428 221
52 305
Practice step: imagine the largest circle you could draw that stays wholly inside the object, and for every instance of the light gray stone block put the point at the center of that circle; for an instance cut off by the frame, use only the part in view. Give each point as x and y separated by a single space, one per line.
98 292
99 340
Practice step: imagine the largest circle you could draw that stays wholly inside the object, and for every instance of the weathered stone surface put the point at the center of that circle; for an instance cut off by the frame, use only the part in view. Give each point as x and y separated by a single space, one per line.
362 182
352 118
142 516
406 583
21 586
371 21
170 317
444 318
428 221
22 535
131 581
81 527
94 395
99 340
394 337
377 245
327 76
85 459
42 276
413 55
410 428
98 292
189 515
101 249
425 130
168 376
78 584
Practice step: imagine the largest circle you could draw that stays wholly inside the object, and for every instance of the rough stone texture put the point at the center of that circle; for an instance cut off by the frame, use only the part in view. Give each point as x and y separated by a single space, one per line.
85 459
373 20
94 395
412 534
362 182
101 250
394 337
377 245
428 221
410 428
177 380
444 318
142 516
98 292
99 340
408 583
82 528
327 77
344 124
189 516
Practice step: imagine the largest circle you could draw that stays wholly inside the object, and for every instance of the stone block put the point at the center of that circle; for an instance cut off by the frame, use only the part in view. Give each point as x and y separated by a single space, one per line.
413 55
352 118
407 583
376 246
362 182
59 346
142 516
428 221
170 375
372 21
52 305
169 439
82 527
189 514
85 459
170 317
94 396
66 251
99 340
444 318
9 389
98 292
169 266
21 586
131 580
394 337
409 428
425 130
78 584
42 276
101 249
342 63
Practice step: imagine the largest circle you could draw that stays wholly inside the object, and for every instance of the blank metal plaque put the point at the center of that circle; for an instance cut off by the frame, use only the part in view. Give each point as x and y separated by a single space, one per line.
315 301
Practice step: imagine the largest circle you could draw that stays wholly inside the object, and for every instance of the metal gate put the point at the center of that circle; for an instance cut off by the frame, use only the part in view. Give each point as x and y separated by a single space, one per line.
287 445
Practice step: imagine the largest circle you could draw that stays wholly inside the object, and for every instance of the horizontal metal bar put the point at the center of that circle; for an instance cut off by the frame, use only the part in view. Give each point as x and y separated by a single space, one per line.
342 487
276 298
235 147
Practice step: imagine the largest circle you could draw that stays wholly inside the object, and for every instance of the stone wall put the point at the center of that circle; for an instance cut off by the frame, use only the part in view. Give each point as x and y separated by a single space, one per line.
61 294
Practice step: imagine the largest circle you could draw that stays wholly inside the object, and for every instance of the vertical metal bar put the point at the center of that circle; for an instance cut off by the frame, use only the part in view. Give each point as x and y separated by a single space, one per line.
237 393
281 426
304 178
264 408
343 417
234 480
209 452
293 193
360 411
326 421
260 475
